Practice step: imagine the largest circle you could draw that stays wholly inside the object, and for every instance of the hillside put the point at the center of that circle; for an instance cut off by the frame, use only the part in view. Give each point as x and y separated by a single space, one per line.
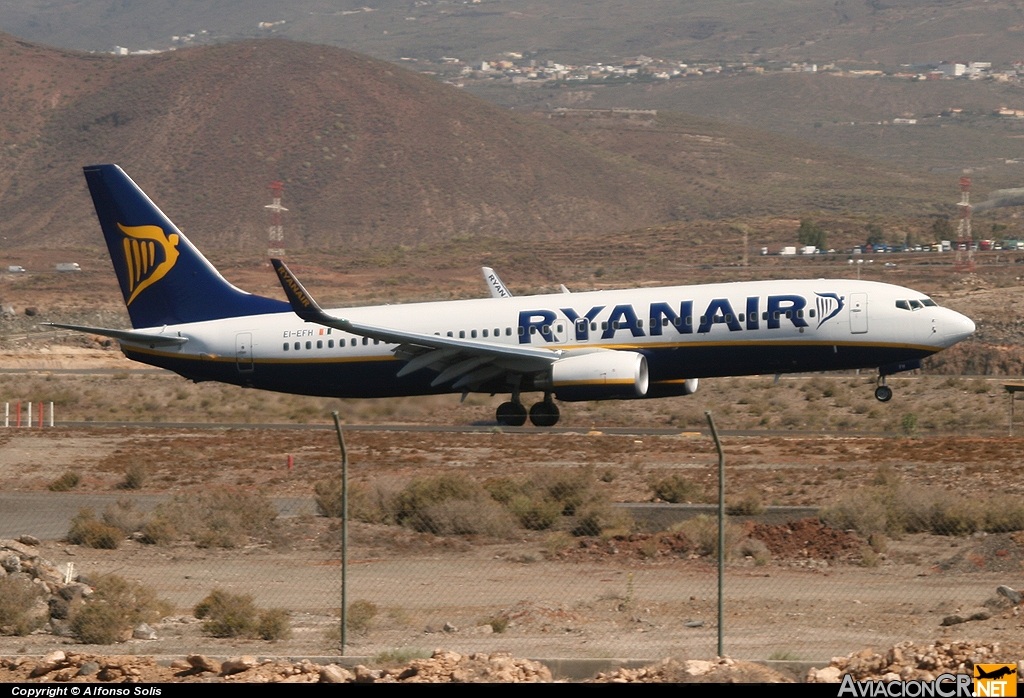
368 152
848 113
888 32
372 154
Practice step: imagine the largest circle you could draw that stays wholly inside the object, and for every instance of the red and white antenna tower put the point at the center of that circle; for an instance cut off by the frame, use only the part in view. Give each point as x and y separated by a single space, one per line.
964 237
275 234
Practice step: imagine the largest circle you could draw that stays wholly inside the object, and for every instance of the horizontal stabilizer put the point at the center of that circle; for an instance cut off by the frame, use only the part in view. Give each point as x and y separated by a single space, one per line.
153 340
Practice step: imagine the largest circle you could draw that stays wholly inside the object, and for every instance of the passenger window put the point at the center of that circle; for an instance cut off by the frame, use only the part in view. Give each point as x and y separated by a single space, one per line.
703 319
508 331
365 341
753 317
497 331
664 322
559 328
545 329
309 345
639 323
776 315
522 330
353 341
462 334
485 333
604 325
581 325
615 325
764 315
450 334
473 334
330 343
286 346
593 326
297 345
789 314
533 330
728 317
811 312
689 320
319 344
799 313
376 342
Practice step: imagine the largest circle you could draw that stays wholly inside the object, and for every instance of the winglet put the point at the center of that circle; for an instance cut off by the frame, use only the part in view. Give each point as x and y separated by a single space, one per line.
302 303
494 284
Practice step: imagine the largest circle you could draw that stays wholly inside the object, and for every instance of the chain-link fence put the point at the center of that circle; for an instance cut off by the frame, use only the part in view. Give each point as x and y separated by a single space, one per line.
559 559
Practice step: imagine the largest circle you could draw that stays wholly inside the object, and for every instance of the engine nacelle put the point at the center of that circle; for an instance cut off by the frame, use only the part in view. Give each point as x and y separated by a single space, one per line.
602 375
673 388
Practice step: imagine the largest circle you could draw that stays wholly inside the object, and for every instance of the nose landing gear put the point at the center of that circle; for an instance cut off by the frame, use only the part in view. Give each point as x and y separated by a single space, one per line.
883 393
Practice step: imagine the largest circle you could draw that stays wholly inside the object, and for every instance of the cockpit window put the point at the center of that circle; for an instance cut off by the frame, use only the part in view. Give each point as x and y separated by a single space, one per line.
915 305
929 303
902 305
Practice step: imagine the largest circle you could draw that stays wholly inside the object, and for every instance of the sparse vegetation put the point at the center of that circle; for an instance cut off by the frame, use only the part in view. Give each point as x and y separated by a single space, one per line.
114 609
360 616
134 477
22 606
893 507
87 530
676 489
67 481
235 615
217 518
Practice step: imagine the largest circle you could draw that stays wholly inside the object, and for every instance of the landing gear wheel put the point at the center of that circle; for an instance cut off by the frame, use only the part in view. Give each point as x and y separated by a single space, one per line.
883 393
511 414
544 414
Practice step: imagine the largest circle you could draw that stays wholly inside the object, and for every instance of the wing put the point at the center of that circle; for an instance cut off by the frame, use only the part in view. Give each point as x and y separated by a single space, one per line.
153 340
468 364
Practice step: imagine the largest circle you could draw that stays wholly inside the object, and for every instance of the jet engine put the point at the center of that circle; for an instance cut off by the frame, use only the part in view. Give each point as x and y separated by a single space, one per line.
602 375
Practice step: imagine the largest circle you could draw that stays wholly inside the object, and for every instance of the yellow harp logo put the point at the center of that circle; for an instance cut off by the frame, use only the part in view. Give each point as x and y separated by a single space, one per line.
144 245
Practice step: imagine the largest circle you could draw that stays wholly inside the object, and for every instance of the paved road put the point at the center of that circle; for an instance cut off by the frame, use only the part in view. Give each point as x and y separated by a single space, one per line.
474 429
47 515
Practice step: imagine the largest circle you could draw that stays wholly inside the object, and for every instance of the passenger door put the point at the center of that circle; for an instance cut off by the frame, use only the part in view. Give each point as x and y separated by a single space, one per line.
858 313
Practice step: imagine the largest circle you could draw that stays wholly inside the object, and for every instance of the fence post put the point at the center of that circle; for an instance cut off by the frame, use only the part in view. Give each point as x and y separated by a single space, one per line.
51 413
344 532
7 415
29 423
721 529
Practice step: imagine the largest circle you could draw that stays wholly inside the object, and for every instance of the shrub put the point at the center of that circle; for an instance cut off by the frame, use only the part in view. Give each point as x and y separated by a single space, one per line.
159 531
222 517
449 505
123 516
65 482
360 615
274 625
86 530
748 505
535 514
703 531
116 607
568 488
228 615
676 489
22 608
134 477
499 624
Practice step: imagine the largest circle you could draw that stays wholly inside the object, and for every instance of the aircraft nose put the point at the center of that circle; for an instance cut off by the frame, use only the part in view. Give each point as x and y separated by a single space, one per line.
958 327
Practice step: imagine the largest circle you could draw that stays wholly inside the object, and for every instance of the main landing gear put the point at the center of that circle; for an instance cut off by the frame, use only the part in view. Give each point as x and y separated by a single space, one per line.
883 393
513 413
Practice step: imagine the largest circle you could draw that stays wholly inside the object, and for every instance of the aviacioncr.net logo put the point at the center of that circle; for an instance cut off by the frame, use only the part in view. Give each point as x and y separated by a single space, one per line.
149 254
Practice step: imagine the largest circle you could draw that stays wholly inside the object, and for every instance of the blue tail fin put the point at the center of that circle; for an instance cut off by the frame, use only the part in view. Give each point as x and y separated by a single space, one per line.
164 279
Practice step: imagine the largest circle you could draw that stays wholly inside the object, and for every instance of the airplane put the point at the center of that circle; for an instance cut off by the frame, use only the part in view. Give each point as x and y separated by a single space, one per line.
599 345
